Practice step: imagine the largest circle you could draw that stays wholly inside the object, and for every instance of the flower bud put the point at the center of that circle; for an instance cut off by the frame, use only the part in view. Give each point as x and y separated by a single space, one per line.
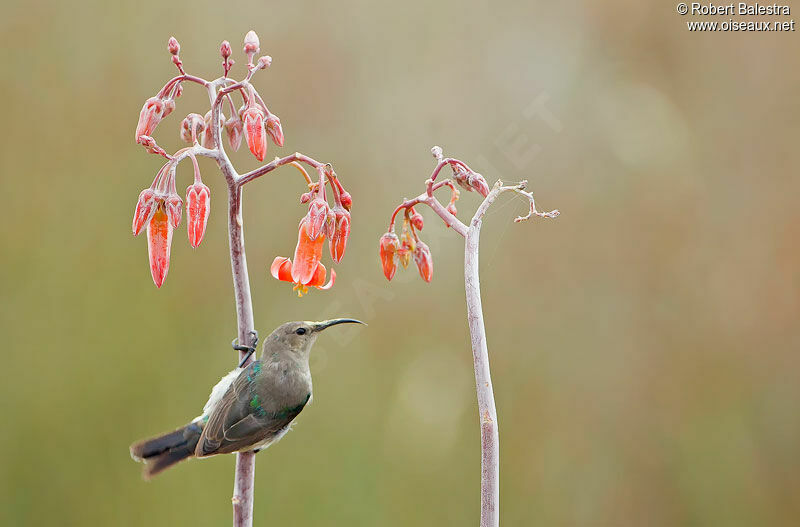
387 250
274 129
145 208
341 231
174 209
190 121
198 206
264 62
416 220
151 114
178 90
424 261
254 133
330 223
173 46
346 199
169 106
251 43
207 138
478 182
305 197
225 49
159 242
317 217
234 129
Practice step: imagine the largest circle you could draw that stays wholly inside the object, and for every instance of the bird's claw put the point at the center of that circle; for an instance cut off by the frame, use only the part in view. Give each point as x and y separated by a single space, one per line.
249 350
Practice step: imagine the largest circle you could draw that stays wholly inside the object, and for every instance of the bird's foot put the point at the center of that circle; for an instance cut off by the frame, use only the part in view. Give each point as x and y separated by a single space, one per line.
249 350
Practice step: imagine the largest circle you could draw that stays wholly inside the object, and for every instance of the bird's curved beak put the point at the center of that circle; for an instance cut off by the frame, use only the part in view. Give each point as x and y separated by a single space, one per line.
325 324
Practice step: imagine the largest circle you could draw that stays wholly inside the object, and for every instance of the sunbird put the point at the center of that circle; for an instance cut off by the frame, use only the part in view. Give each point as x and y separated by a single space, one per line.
250 408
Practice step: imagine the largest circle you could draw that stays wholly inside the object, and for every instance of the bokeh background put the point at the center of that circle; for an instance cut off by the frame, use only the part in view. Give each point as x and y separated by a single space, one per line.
644 345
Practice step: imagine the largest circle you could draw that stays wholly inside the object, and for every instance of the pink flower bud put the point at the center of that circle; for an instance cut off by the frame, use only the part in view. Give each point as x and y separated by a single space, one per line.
235 129
174 209
151 114
274 129
169 106
159 242
198 206
346 199
225 49
207 138
193 120
254 132
145 208
251 43
387 250
264 62
178 90
341 232
305 198
317 217
478 182
424 261
416 220
173 46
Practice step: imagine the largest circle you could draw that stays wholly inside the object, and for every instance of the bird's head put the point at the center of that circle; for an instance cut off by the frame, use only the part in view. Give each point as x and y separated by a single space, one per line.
298 337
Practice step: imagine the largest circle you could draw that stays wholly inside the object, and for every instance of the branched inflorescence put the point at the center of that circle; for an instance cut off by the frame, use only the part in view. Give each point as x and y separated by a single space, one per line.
159 207
394 249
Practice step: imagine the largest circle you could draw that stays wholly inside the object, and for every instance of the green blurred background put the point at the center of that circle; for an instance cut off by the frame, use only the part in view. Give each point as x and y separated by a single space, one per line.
643 345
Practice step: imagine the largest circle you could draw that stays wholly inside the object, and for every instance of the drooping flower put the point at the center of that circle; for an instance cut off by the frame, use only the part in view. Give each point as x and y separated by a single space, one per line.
387 250
254 132
305 269
416 219
424 261
198 206
174 205
151 114
478 182
407 246
192 121
341 231
207 138
274 129
159 242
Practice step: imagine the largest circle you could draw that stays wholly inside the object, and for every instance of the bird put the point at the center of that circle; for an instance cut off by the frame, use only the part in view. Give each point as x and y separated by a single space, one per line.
250 408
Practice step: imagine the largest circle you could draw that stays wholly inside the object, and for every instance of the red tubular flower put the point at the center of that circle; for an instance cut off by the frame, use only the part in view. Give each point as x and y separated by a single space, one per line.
388 247
317 217
198 206
274 129
151 114
254 133
307 254
341 231
424 261
281 269
145 208
159 241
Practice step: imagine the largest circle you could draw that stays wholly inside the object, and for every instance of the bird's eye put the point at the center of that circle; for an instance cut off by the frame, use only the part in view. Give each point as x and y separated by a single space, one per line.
301 331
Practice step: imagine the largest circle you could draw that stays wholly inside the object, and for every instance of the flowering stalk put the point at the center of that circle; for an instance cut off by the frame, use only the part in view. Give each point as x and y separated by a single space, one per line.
393 249
159 207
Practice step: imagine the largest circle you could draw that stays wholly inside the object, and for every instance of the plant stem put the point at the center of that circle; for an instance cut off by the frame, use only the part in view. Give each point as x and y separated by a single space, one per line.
490 448
245 461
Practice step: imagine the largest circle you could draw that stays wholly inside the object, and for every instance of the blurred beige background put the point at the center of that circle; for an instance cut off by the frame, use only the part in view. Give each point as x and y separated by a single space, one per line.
643 345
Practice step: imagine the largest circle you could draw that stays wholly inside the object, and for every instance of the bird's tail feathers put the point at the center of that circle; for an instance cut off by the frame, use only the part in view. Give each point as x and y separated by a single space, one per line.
160 453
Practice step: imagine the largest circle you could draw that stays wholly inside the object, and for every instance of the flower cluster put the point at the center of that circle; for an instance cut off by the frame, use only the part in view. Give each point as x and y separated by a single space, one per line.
322 221
159 207
393 249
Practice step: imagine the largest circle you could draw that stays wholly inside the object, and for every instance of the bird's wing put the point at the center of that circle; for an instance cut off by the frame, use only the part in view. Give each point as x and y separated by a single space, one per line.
241 419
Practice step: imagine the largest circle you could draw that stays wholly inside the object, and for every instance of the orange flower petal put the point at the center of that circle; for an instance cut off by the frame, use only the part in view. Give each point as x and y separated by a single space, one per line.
281 269
306 256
